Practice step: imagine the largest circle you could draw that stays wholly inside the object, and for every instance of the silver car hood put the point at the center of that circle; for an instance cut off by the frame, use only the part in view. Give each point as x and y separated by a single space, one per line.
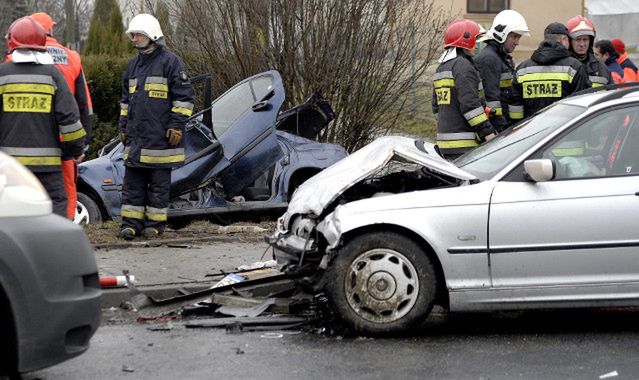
322 189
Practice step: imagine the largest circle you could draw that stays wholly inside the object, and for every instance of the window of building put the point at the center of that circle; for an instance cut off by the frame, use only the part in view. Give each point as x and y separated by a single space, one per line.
487 6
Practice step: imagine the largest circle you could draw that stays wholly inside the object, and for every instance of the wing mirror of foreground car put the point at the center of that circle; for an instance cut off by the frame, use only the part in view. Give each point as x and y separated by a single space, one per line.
261 105
540 170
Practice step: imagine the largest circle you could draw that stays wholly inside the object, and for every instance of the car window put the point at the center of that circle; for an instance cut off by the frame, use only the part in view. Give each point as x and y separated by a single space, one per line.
488 159
228 108
603 146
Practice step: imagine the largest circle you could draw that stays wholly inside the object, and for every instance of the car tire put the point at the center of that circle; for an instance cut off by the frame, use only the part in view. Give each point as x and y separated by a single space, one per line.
87 211
382 282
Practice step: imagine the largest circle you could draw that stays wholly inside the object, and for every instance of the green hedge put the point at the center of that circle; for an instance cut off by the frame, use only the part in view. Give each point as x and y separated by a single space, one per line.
104 76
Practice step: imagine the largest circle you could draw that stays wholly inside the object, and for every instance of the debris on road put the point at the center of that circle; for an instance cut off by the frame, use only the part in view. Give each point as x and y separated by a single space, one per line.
609 375
257 265
229 279
114 281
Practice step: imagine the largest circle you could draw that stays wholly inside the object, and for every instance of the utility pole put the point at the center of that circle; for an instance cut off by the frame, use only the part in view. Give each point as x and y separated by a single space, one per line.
70 24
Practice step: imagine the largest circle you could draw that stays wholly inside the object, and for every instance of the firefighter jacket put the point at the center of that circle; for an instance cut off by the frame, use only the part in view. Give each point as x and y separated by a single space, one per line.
458 105
496 69
156 96
39 120
629 68
70 65
598 73
549 75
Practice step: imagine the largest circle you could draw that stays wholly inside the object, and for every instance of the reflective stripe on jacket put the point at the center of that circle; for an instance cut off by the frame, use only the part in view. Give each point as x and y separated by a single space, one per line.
457 103
156 95
551 74
38 117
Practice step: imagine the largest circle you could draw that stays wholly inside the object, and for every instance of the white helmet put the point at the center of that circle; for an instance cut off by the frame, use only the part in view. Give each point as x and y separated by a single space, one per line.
147 25
506 22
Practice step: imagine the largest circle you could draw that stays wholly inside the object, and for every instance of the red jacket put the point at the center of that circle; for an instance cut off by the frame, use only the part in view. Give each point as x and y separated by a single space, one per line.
629 69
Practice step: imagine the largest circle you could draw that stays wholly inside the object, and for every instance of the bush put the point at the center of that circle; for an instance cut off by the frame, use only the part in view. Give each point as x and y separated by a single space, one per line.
104 76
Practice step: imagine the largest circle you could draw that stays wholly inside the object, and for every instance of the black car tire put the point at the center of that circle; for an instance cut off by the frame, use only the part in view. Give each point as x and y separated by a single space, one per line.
381 282
92 208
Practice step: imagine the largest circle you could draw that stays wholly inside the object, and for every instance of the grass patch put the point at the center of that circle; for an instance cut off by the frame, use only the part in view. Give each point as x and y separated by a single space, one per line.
416 127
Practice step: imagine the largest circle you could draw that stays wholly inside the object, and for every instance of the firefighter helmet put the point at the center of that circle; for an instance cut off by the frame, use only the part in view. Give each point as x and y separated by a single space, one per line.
26 33
45 20
508 21
462 33
146 24
580 26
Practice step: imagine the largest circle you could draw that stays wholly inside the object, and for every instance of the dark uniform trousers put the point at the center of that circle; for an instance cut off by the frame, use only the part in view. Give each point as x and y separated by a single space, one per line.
54 184
145 197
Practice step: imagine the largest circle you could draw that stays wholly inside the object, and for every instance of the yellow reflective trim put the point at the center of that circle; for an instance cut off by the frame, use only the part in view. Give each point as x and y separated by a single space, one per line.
596 84
182 110
26 103
156 217
124 112
481 94
516 115
499 111
132 214
544 76
156 87
457 144
27 87
132 89
541 89
565 152
162 159
444 83
74 135
477 119
37 161
443 95
505 83
158 94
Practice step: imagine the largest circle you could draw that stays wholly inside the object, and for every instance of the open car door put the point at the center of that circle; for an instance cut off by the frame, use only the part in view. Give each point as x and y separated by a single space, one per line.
244 123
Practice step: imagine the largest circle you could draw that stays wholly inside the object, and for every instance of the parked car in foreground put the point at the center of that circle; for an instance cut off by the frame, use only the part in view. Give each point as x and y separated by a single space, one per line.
49 286
244 158
543 216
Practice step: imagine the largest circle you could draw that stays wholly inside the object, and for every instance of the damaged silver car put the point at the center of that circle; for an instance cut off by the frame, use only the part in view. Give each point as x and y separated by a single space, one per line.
543 216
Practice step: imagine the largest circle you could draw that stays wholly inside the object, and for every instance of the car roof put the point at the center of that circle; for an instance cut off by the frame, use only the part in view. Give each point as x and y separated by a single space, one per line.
609 97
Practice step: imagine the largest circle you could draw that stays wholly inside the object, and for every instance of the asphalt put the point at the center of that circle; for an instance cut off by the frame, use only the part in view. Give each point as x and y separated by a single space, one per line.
165 268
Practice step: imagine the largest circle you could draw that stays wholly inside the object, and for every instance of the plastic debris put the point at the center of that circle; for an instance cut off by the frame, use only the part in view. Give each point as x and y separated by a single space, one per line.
609 375
114 281
258 265
229 279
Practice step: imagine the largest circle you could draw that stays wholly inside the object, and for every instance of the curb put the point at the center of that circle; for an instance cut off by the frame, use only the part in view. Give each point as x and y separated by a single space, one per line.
160 242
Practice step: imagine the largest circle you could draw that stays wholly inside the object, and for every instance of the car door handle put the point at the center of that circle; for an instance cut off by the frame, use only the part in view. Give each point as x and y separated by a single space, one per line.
259 106
637 193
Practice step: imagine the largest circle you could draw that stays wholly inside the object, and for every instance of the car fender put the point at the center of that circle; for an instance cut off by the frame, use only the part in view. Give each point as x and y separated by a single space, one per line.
458 240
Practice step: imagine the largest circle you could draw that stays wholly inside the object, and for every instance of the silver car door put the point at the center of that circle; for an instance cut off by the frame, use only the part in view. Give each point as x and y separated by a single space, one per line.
582 227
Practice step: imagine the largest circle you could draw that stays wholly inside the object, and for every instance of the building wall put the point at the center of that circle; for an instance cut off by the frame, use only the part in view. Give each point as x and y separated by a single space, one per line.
538 14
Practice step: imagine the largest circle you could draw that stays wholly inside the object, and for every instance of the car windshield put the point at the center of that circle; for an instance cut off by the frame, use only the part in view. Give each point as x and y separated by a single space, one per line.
488 159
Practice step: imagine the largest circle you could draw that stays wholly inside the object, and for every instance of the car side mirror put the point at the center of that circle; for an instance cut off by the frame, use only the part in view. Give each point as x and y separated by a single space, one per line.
540 170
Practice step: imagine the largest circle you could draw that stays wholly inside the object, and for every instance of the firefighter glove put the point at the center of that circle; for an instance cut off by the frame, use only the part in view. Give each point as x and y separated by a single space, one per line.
174 136
485 131
122 137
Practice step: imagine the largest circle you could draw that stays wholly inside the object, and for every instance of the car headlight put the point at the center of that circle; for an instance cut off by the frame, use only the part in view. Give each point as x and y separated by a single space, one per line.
21 194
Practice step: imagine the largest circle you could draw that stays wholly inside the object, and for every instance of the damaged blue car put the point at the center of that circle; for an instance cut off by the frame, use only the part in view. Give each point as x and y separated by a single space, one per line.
242 156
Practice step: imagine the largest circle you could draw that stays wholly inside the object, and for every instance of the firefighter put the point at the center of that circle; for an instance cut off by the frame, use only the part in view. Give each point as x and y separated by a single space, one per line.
39 120
157 99
496 66
70 65
582 37
629 69
606 54
462 123
550 74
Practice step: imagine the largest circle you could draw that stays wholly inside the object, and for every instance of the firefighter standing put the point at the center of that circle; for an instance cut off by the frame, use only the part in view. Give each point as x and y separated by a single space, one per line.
496 66
39 120
550 74
70 65
461 119
582 37
157 99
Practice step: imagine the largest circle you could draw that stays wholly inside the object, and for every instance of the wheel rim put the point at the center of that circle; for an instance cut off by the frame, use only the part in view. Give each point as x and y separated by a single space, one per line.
81 214
381 285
